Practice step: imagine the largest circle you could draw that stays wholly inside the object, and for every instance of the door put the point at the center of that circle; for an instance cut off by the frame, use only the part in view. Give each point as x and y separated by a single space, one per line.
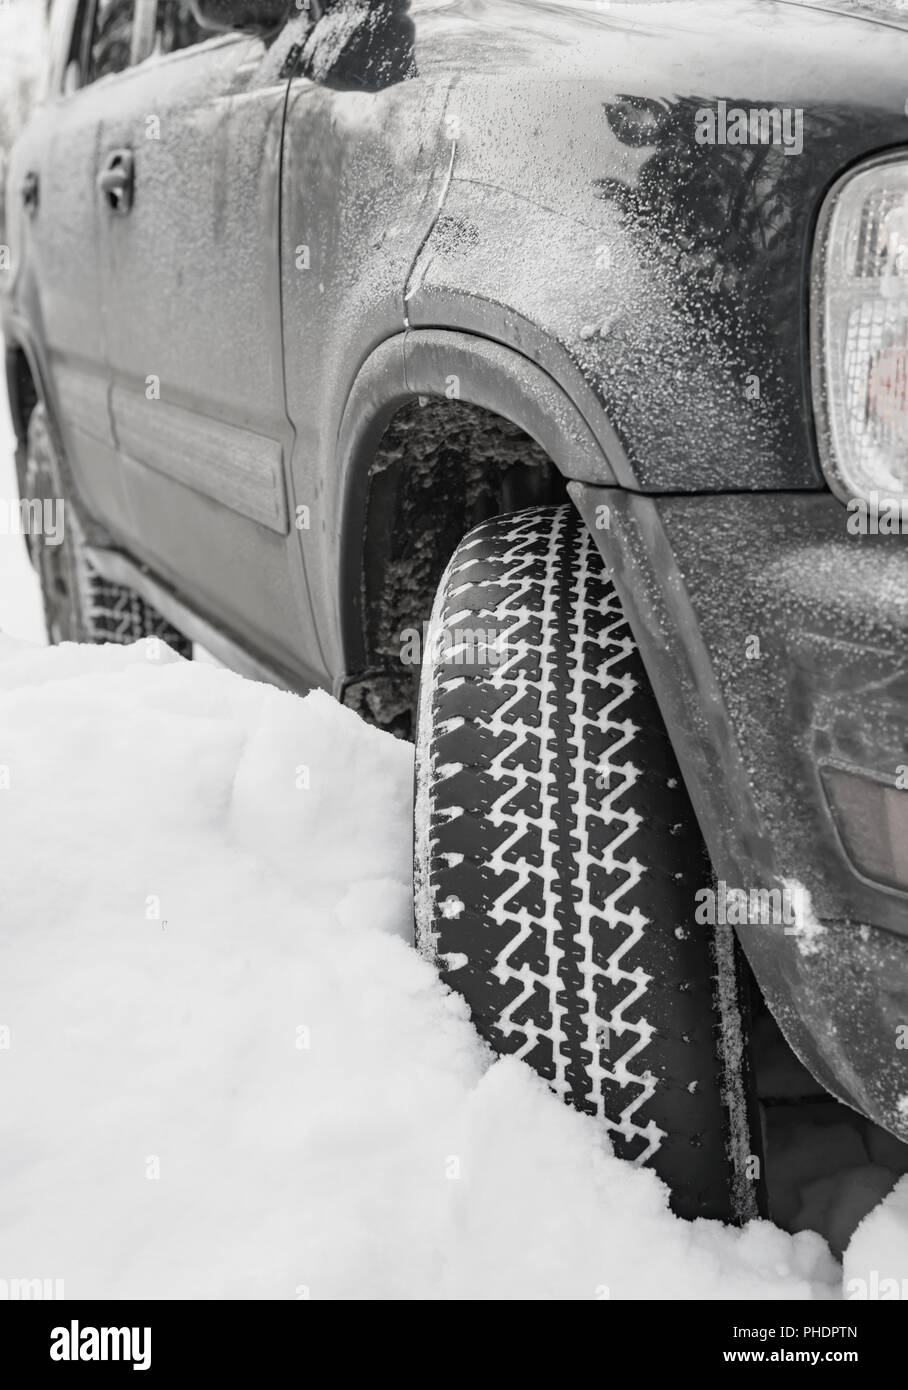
188 193
54 226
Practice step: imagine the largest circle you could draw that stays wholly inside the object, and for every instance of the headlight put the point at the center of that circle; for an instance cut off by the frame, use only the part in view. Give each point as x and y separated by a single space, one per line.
859 322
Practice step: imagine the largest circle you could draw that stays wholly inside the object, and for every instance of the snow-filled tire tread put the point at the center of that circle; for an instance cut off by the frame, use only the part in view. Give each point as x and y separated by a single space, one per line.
557 855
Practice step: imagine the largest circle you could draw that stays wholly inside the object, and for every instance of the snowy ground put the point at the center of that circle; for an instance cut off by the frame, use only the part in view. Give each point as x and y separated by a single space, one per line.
229 1074
225 1072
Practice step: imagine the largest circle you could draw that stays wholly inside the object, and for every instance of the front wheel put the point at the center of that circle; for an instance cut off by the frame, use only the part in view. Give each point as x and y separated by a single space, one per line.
557 858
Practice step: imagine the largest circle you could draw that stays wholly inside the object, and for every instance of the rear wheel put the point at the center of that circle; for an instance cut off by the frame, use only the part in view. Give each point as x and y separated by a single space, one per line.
557 858
80 606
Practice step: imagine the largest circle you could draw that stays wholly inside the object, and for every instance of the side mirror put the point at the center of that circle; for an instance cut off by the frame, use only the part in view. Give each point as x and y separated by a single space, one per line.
249 16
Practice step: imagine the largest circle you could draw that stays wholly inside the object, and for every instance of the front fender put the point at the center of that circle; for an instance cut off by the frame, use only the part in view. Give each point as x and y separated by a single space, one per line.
661 280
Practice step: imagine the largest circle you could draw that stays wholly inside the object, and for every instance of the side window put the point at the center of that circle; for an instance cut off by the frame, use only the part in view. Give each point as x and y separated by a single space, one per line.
111 39
176 27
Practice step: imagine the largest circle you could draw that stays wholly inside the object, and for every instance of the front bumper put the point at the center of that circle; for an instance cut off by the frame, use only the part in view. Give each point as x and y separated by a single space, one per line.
777 645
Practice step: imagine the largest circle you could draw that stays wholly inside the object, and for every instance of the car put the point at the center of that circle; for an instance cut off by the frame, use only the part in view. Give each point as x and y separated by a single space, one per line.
532 375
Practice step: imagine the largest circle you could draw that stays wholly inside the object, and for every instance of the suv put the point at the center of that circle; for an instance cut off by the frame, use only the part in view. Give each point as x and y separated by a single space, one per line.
534 376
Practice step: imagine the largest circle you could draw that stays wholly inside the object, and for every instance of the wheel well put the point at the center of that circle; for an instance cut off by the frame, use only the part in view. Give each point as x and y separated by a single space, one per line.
25 392
23 397
441 467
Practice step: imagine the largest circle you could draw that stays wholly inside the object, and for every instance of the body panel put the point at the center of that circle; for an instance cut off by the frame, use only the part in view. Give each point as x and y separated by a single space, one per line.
660 280
55 285
192 306
364 170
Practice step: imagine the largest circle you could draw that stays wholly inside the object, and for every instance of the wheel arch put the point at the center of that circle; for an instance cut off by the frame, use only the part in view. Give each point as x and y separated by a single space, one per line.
24 388
442 364
28 383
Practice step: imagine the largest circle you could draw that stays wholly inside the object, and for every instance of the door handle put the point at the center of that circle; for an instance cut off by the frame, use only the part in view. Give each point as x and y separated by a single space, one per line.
29 191
116 181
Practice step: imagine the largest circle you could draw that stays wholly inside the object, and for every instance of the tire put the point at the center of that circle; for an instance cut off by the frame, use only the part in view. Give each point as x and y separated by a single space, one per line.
80 606
557 857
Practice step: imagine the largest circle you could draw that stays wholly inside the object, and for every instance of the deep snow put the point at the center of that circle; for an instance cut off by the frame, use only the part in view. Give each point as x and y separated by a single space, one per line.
228 1071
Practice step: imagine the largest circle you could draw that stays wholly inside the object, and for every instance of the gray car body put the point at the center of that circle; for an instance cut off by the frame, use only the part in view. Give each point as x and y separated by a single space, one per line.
504 202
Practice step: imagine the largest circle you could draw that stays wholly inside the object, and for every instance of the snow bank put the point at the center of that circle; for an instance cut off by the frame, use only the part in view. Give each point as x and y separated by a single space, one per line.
876 1261
228 1073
